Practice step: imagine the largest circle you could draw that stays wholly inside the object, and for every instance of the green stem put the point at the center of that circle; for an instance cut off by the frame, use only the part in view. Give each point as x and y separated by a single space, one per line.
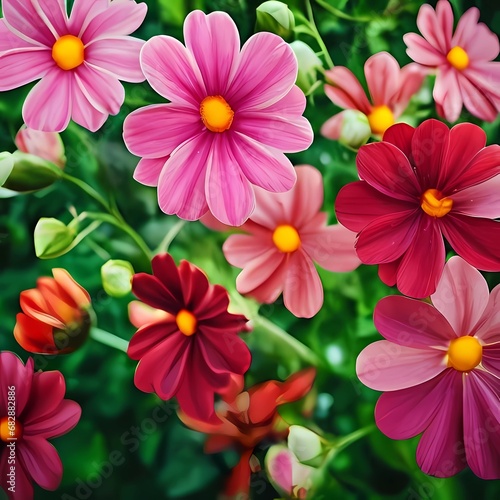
345 441
87 189
342 15
317 35
109 339
170 236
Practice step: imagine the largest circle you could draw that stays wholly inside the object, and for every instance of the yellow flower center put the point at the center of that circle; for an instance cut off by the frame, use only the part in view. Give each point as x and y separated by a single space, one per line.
286 238
458 58
216 114
380 119
186 322
68 52
464 353
9 430
434 204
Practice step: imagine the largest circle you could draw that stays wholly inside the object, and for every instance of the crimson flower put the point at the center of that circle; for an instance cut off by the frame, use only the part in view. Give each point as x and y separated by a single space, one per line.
192 352
417 186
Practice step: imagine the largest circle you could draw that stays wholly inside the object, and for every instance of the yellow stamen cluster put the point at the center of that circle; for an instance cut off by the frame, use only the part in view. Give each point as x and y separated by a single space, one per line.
286 238
434 204
216 114
464 353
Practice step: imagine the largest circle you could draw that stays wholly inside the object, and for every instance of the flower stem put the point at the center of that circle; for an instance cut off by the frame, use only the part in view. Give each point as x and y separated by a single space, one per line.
87 189
170 236
345 441
342 15
317 36
108 339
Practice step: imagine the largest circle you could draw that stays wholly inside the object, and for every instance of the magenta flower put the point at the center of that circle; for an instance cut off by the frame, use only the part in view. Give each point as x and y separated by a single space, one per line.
418 185
232 115
440 366
193 351
79 59
32 410
391 88
466 73
287 235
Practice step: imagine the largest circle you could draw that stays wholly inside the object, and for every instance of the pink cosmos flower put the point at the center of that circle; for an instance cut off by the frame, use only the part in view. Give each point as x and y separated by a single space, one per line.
418 185
46 145
41 413
391 88
79 59
287 235
232 115
193 351
466 73
440 366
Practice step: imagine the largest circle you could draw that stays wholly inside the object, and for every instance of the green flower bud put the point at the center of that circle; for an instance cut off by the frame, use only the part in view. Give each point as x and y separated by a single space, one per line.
31 173
304 443
275 17
6 166
355 130
309 64
117 277
53 238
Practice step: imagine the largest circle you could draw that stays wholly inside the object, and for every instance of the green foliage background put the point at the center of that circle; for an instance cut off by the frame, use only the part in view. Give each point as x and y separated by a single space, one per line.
155 460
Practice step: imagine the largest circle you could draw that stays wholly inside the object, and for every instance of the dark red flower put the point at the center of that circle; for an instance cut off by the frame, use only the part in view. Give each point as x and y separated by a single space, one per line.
192 353
247 419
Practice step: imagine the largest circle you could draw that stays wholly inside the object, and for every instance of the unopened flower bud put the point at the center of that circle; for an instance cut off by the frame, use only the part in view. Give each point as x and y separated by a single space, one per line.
46 145
275 17
304 443
117 277
309 64
52 238
355 130
6 166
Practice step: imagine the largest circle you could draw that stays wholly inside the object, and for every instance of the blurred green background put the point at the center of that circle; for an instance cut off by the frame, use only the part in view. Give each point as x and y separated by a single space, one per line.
156 457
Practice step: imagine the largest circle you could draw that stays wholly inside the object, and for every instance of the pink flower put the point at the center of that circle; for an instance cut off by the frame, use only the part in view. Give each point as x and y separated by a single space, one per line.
192 350
418 185
391 88
79 59
36 400
232 115
287 235
466 74
46 145
440 366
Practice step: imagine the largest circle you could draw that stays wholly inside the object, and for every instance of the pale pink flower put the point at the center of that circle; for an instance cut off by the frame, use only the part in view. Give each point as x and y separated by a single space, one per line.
466 73
231 117
287 235
46 145
390 86
80 59
439 368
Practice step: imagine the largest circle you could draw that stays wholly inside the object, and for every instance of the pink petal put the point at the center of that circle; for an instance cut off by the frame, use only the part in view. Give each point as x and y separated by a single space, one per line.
491 356
149 336
438 451
387 169
346 91
279 463
168 274
269 212
214 42
14 372
42 462
436 26
53 13
148 170
422 52
141 314
103 91
120 18
423 262
447 94
332 248
172 71
9 40
241 249
479 201
267 70
406 413
477 100
382 76
488 329
358 204
21 66
119 56
229 193
83 12
429 148
476 240
302 291
482 423
181 194
262 166
401 136
24 485
84 113
387 237
388 272
411 78
385 366
466 27
24 19
47 393
223 351
151 291
48 105
461 295
332 128
156 130
413 323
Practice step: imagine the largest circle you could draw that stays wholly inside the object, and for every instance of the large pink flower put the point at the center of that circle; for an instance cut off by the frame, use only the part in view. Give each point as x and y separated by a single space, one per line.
287 235
192 350
440 366
391 88
418 185
231 117
80 59
466 73
32 410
